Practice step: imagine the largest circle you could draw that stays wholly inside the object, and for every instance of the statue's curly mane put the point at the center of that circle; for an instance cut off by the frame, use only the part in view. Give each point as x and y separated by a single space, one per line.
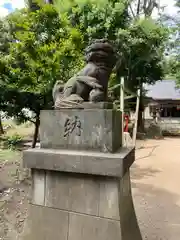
101 51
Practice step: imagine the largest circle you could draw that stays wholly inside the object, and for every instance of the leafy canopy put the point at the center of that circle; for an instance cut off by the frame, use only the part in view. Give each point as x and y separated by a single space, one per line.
44 48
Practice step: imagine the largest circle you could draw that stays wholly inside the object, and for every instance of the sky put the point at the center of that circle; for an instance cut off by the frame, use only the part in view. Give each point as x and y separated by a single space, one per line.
7 6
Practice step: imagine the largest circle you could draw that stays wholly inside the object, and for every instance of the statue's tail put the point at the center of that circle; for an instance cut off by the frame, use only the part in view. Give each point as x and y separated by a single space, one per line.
58 89
73 101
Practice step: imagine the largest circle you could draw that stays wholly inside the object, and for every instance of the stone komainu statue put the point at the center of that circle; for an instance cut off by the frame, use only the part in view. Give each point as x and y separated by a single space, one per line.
91 83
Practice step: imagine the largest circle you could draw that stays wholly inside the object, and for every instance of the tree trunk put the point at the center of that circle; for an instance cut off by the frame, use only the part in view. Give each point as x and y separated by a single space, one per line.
1 127
138 8
36 131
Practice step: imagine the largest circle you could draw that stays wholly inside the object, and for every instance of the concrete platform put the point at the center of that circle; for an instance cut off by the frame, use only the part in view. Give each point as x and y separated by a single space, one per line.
155 178
95 163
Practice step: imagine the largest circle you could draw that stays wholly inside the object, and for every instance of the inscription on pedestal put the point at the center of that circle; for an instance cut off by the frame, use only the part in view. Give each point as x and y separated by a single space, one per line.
72 124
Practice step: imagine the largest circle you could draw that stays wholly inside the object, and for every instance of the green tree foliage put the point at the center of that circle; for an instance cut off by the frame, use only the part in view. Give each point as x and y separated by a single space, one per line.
4 48
44 48
4 36
171 65
99 21
151 38
172 61
139 41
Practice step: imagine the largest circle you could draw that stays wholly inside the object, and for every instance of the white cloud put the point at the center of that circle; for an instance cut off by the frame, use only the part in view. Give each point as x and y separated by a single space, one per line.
16 4
3 11
169 6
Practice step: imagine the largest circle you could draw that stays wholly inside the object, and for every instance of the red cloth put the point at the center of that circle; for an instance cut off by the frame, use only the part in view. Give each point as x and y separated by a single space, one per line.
126 119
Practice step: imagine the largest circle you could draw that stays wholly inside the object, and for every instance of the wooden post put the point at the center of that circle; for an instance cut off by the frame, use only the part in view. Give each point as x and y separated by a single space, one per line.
122 106
136 118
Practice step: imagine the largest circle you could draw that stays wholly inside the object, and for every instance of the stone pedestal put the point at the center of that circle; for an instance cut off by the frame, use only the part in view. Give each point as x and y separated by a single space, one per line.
81 184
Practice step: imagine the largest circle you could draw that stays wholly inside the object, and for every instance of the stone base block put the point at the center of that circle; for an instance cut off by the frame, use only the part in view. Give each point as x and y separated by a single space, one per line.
81 129
87 162
78 206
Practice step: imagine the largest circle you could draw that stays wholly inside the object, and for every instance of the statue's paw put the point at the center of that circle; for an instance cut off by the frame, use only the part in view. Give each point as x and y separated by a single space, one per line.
96 85
96 95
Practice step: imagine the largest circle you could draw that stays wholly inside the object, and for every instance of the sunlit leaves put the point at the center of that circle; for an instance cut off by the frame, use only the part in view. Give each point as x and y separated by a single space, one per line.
65 5
44 48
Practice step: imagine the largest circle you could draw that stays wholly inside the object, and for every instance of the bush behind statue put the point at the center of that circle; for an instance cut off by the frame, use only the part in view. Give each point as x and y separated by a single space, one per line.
12 141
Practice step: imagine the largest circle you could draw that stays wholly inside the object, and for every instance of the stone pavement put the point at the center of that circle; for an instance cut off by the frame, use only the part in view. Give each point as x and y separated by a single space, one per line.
156 188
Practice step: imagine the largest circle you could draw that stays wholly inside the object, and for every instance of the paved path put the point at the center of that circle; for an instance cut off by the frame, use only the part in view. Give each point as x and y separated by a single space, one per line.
156 189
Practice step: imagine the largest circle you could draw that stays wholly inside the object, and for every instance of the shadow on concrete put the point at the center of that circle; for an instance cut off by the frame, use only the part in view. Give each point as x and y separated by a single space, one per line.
138 172
157 210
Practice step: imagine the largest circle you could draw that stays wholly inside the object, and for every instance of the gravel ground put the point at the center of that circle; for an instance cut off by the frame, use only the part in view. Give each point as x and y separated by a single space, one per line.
155 183
14 189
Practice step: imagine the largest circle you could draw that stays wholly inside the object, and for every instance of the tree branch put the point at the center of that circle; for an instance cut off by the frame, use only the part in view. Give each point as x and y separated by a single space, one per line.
134 16
138 7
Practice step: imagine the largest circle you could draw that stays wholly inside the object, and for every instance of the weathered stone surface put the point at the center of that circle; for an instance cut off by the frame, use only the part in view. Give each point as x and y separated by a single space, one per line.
46 223
83 227
106 164
73 192
129 224
81 129
109 198
97 105
91 105
38 189
79 206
